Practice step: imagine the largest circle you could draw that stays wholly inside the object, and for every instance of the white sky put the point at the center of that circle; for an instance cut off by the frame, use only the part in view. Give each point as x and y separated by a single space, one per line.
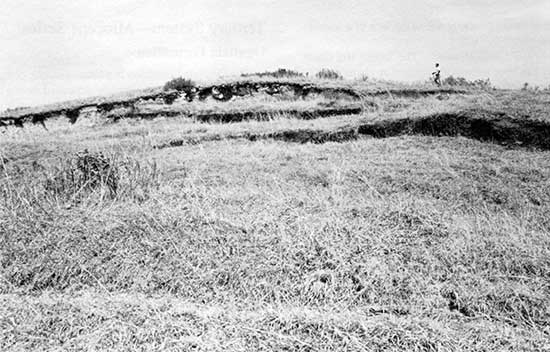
55 50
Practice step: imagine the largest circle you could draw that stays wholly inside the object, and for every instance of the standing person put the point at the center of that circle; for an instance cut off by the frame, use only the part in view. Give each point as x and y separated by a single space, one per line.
437 75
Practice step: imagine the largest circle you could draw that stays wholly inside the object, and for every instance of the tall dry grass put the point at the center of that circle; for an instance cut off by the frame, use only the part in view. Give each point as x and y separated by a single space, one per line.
408 243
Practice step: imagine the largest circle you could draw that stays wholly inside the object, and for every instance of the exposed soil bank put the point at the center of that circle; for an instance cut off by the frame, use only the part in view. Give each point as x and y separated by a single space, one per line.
483 126
225 92
267 115
310 136
221 92
147 115
73 112
294 136
238 116
480 125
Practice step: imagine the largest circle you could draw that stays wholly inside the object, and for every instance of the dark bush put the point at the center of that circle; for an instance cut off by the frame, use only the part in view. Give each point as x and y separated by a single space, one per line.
179 84
328 73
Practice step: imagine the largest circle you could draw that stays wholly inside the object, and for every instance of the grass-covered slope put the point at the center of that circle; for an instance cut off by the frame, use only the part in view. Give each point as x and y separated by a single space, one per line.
226 241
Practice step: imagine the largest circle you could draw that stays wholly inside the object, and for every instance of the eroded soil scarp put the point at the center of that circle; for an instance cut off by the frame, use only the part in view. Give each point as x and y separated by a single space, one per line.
484 126
219 92
481 125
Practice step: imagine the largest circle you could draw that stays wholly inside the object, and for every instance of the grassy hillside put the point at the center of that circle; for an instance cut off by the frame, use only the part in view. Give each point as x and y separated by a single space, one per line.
281 232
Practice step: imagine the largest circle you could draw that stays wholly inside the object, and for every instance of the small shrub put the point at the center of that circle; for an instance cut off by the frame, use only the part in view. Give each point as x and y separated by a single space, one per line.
88 173
96 169
84 173
179 84
328 73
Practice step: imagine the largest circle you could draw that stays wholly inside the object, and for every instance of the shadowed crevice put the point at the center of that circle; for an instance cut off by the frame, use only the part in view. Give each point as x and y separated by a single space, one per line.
485 126
268 115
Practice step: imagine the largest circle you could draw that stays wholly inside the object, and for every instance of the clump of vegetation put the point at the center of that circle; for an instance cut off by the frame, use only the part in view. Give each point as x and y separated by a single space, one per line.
328 73
463 82
180 84
112 177
279 73
83 174
528 88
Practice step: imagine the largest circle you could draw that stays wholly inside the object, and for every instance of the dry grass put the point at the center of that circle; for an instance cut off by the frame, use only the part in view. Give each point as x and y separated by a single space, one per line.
403 244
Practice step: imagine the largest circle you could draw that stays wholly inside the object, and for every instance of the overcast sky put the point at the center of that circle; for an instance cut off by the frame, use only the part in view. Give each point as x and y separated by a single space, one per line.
56 50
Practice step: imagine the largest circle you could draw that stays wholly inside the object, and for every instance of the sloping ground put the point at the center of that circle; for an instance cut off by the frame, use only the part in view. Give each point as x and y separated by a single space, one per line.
519 104
383 244
72 110
481 125
408 244
220 92
123 322
82 103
